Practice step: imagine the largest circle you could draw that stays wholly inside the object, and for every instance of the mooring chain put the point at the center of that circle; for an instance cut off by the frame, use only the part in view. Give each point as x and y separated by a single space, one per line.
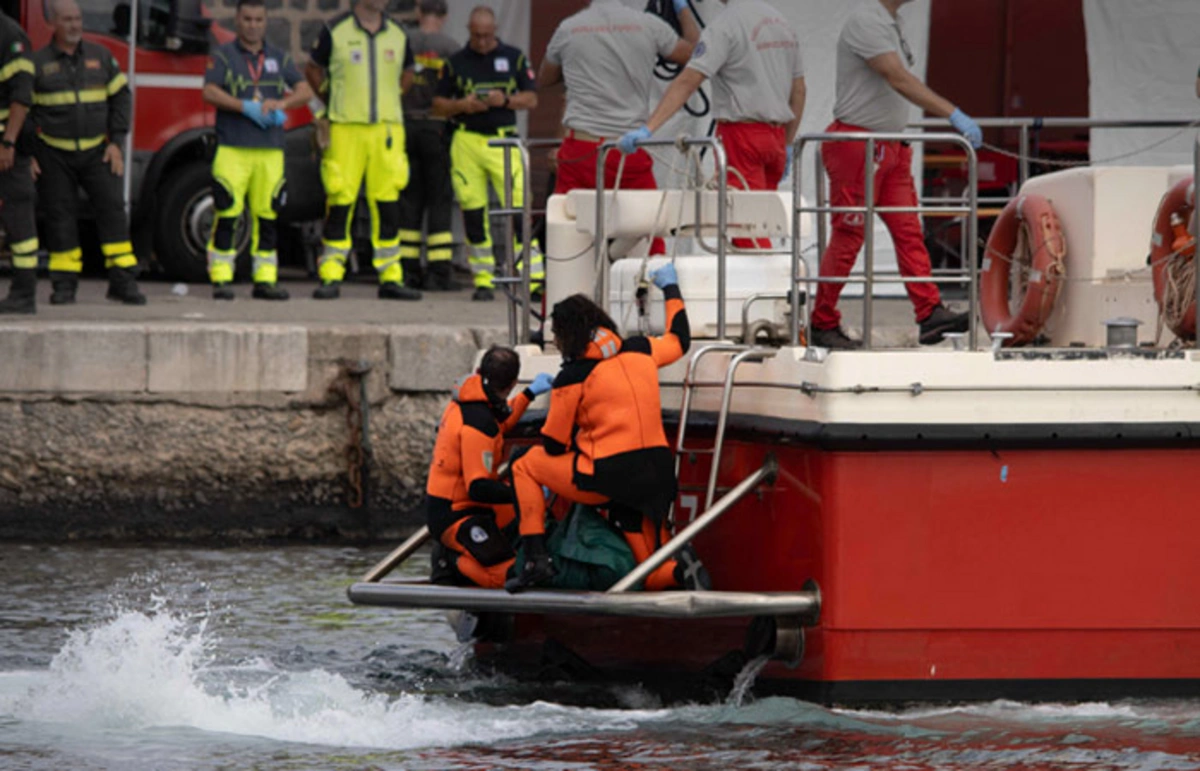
348 385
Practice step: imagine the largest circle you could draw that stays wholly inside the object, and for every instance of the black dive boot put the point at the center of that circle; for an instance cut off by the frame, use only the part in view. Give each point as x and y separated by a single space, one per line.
22 293
63 286
122 287
538 567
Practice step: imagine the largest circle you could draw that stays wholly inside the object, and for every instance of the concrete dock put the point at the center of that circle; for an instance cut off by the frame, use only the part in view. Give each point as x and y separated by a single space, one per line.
195 419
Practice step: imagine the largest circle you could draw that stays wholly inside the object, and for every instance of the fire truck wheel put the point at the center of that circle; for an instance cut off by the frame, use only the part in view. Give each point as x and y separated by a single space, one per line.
184 223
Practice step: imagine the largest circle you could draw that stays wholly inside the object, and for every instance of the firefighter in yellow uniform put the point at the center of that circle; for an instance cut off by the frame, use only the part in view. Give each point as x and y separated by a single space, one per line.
482 88
360 63
248 81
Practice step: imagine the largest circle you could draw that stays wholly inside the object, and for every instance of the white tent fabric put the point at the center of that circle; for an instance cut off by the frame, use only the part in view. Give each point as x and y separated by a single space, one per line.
1142 59
819 23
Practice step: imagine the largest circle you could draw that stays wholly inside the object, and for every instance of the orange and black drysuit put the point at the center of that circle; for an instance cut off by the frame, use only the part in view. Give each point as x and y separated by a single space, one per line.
466 504
603 440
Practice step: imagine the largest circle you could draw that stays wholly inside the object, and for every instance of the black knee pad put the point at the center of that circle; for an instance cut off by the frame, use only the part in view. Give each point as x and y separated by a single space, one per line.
223 233
474 226
480 538
279 200
337 223
389 219
222 198
625 518
268 235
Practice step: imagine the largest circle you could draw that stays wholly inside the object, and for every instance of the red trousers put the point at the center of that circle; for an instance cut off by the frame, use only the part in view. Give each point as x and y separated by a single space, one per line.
577 171
758 151
538 468
844 162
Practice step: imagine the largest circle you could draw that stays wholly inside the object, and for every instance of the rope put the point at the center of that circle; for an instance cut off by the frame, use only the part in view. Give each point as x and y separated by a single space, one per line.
1179 293
1102 162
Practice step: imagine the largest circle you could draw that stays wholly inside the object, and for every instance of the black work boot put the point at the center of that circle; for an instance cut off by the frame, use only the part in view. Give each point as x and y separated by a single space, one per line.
330 290
538 567
223 291
942 320
414 277
266 291
483 294
394 290
439 276
834 339
122 287
22 292
63 286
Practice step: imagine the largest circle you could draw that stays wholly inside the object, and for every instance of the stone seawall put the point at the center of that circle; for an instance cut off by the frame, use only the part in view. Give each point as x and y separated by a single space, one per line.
223 431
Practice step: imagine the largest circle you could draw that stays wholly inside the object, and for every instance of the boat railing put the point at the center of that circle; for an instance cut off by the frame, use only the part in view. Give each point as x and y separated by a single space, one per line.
712 512
1029 127
968 209
519 286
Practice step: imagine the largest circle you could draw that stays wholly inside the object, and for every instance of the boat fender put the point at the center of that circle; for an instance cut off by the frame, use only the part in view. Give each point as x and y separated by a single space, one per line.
1029 235
1172 248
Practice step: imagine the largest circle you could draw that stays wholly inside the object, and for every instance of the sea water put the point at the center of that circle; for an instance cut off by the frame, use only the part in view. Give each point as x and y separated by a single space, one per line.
167 658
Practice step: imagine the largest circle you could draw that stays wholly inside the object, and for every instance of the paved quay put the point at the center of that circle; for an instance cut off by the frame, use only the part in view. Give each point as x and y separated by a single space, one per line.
191 419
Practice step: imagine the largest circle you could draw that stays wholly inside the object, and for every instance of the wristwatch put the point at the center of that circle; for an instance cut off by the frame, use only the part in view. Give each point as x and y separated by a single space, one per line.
6 142
507 98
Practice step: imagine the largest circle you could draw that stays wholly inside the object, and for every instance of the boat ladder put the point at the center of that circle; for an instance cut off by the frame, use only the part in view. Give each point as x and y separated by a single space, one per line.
741 355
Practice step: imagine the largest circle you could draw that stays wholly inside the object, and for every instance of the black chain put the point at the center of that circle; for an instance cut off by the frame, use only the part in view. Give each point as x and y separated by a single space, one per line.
350 385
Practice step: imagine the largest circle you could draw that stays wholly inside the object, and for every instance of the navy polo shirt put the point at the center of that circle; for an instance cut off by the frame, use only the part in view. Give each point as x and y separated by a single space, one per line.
468 72
239 72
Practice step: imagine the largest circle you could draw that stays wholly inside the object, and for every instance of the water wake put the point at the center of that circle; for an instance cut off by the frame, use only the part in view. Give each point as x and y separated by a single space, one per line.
152 670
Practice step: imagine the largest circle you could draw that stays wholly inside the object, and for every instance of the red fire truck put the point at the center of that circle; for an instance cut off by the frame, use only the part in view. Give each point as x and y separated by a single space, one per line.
172 135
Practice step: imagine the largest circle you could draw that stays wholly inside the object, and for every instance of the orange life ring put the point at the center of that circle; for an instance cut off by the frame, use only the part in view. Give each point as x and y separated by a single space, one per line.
1028 224
1171 248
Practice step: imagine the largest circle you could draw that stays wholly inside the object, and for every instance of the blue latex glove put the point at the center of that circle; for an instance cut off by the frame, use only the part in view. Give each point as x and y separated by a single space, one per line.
628 143
253 110
278 118
541 384
680 6
968 128
791 156
664 276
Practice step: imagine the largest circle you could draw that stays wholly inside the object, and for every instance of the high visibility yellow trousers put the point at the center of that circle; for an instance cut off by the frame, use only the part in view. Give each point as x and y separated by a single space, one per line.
239 173
475 166
374 152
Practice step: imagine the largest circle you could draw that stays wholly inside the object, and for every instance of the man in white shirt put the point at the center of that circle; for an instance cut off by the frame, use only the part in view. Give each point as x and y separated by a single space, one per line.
605 56
874 92
753 57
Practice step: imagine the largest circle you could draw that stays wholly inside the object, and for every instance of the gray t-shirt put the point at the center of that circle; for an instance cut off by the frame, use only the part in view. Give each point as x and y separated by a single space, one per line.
864 98
430 52
752 55
607 53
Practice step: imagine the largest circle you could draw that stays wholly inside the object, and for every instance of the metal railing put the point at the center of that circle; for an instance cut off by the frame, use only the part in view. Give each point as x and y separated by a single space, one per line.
711 514
969 209
1028 127
721 166
519 323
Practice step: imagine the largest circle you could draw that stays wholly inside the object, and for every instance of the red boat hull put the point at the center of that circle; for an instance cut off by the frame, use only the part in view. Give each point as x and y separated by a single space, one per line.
944 573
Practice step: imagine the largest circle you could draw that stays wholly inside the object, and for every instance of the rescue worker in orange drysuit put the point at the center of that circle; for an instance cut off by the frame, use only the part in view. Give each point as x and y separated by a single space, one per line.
465 502
603 440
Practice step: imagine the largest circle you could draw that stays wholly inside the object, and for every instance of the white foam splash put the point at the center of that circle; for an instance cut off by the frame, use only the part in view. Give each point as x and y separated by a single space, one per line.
148 671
